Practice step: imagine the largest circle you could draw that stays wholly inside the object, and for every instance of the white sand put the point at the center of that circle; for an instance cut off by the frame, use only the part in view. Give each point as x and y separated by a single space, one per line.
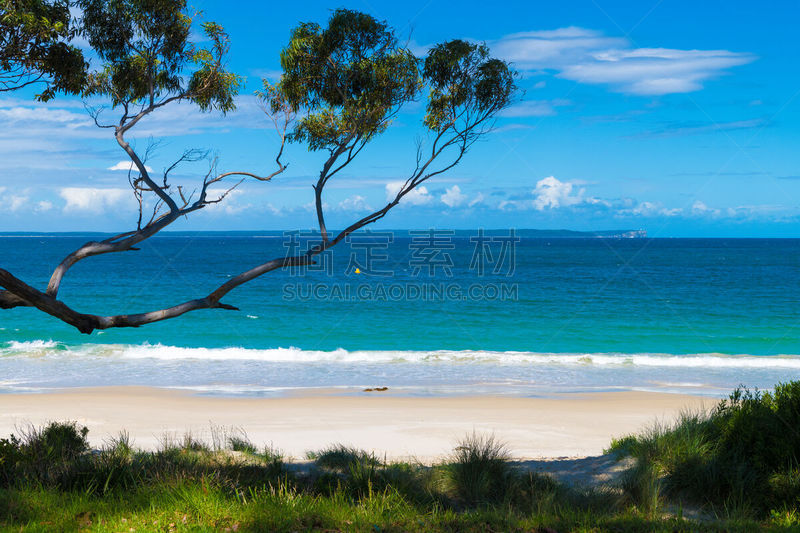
397 427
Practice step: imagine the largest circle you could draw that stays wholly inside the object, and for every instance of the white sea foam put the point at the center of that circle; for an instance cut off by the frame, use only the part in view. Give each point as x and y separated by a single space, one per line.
40 348
31 345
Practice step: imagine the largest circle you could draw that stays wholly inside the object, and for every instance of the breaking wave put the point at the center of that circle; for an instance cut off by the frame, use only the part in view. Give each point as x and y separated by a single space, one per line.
41 348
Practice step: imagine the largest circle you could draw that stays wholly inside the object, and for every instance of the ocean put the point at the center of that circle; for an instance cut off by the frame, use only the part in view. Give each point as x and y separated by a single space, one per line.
423 313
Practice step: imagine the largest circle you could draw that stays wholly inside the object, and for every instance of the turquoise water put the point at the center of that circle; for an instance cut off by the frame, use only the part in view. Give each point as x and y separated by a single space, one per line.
544 316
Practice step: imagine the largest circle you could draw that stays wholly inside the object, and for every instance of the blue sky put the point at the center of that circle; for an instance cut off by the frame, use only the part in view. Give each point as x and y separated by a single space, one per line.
681 118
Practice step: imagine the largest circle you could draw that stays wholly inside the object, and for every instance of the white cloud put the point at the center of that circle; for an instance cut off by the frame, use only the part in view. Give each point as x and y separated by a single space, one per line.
598 201
418 196
126 166
43 126
58 125
17 202
13 202
544 49
534 108
312 206
701 209
355 203
453 197
185 118
678 129
647 209
514 205
277 211
43 114
512 127
587 56
654 71
552 193
91 199
698 209
229 203
477 200
44 205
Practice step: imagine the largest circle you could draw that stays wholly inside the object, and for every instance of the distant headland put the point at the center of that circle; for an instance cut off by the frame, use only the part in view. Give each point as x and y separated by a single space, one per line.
570 234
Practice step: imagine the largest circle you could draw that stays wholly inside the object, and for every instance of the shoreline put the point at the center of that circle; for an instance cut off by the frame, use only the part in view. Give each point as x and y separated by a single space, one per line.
393 426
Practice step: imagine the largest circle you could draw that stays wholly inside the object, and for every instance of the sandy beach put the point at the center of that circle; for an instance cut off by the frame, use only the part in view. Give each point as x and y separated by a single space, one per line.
392 426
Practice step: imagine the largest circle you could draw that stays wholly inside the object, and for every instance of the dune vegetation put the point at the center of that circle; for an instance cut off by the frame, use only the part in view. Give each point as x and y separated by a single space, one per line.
731 469
740 459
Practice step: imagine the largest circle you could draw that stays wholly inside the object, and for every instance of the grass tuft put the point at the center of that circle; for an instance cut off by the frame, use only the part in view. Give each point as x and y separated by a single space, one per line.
479 469
643 485
340 457
242 444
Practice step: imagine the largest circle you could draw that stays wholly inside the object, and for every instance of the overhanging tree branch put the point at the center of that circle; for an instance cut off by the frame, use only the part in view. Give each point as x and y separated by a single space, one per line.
210 86
86 323
347 83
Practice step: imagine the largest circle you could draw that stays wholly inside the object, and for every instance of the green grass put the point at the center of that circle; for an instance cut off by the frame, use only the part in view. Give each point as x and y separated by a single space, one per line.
200 506
479 470
735 463
738 460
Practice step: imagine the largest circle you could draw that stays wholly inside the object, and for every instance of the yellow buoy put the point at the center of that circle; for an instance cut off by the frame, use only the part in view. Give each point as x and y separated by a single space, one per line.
358 271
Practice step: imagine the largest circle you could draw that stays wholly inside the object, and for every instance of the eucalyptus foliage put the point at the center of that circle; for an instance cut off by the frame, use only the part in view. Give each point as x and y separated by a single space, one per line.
148 56
348 78
35 47
464 82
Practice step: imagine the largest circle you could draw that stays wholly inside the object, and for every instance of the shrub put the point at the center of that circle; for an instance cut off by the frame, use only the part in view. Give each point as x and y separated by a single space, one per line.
762 428
785 486
45 455
9 456
57 441
744 454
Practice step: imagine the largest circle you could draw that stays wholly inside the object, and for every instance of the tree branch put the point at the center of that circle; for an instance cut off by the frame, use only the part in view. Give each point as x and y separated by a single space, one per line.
86 323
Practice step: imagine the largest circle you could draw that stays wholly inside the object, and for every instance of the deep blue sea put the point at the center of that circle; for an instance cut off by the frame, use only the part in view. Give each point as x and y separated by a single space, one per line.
427 313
